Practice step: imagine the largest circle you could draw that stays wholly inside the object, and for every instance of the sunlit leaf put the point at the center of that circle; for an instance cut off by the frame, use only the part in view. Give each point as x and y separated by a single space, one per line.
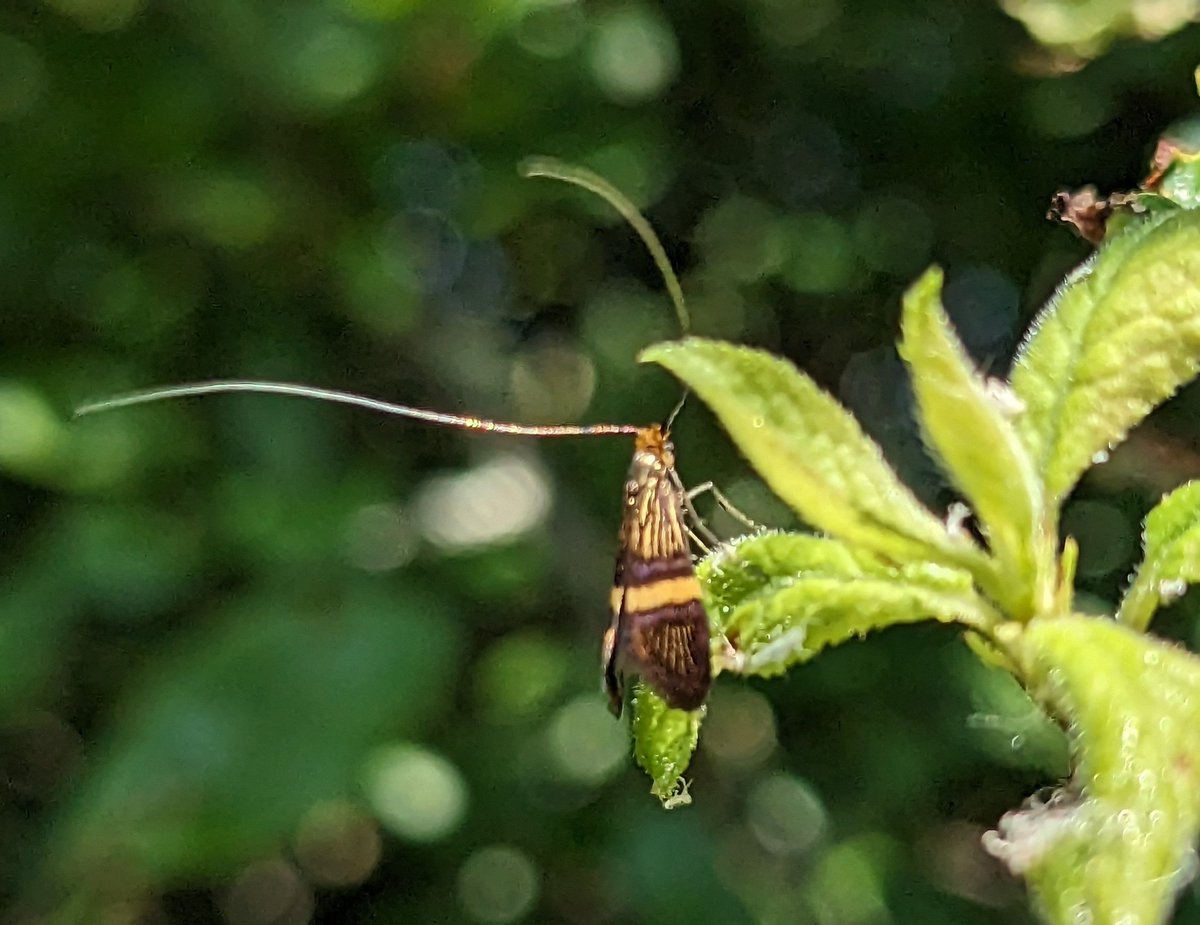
780 598
1119 336
663 742
1116 844
1171 541
809 449
975 441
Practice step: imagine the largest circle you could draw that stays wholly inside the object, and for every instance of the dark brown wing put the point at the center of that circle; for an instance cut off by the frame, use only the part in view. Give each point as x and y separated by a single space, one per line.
659 629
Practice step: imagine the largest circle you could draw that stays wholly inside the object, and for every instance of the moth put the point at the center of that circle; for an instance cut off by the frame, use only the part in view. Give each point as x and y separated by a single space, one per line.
659 629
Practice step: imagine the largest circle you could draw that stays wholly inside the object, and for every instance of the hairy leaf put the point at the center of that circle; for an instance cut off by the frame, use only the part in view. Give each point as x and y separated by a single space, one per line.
663 742
1116 844
976 442
1171 540
810 450
779 598
1120 335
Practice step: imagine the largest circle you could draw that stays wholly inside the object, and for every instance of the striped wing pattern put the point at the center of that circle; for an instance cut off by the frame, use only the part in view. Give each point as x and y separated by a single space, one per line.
659 629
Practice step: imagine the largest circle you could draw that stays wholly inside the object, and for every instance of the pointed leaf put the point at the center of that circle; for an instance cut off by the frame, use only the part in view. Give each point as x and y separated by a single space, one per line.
1121 335
809 449
780 598
975 440
1116 845
1171 540
663 742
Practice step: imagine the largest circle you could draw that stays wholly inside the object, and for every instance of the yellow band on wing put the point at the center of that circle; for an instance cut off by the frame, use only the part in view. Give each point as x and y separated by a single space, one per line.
666 592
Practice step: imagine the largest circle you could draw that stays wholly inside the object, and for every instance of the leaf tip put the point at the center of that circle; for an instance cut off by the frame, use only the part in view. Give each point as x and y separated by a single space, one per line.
660 352
926 290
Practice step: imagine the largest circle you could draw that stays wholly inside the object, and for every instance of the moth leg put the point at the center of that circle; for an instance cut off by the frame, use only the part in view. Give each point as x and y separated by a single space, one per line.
704 547
729 657
725 504
702 535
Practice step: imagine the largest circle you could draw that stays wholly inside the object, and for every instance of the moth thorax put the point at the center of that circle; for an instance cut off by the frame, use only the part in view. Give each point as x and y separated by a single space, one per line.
652 445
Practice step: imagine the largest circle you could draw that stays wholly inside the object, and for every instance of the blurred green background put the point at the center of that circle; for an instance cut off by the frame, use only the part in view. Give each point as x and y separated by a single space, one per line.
267 661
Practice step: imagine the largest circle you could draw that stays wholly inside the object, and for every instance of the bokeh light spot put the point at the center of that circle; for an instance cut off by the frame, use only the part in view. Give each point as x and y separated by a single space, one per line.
424 174
789 24
227 209
550 28
268 893
739 730
1066 107
497 885
519 676
22 78
785 815
621 320
328 65
741 238
587 745
847 887
893 234
337 844
492 503
552 382
717 307
417 794
820 257
633 55
377 283
431 248
380 537
33 432
802 159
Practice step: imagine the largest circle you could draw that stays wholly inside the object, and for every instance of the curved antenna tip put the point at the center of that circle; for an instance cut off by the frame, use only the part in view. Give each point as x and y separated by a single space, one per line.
554 169
537 165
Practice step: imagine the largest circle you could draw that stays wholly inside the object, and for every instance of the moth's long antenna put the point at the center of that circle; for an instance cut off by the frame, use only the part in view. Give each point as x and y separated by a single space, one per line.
579 176
675 411
349 398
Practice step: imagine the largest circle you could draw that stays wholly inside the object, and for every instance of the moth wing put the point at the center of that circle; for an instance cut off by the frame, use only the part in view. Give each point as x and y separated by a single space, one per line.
659 629
613 681
671 650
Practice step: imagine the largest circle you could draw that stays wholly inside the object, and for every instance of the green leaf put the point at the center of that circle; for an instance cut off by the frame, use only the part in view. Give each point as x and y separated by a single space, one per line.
810 450
1121 335
1171 540
663 742
1180 181
780 598
977 444
1116 844
222 748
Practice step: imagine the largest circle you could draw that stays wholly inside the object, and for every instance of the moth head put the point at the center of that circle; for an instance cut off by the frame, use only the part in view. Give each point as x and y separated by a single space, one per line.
656 441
